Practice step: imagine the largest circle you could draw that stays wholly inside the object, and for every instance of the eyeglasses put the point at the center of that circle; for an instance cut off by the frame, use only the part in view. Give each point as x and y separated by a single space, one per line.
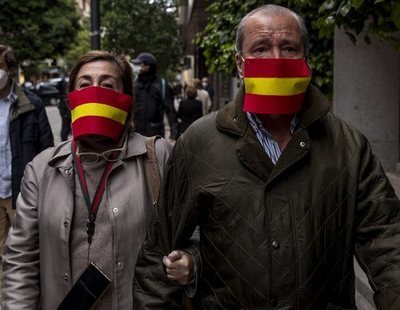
112 155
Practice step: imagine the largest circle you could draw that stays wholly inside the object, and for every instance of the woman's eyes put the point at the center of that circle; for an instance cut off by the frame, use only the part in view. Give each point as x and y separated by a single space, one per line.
83 85
103 84
107 85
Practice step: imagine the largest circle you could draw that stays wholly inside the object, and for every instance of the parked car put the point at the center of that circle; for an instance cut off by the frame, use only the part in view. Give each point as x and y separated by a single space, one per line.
48 91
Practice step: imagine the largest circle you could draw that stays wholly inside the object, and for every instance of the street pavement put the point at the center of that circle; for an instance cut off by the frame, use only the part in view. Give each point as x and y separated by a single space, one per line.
363 291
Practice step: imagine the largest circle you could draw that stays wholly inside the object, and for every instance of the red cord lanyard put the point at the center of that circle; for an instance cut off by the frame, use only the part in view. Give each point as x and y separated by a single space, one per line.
93 206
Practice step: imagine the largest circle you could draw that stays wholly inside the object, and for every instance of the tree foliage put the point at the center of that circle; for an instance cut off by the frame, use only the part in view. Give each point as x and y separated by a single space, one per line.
218 38
131 27
38 29
380 17
79 46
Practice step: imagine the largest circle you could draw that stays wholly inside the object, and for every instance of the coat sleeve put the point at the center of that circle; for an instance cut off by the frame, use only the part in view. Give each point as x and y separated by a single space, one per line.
171 228
21 276
378 231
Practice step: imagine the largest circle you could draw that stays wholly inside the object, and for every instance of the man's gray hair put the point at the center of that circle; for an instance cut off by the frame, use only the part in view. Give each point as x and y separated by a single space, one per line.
271 10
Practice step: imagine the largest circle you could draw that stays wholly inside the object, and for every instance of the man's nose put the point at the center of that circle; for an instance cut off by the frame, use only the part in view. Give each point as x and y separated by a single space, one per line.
276 53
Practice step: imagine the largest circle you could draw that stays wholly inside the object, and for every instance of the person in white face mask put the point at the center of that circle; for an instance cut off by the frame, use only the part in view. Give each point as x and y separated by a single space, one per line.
24 132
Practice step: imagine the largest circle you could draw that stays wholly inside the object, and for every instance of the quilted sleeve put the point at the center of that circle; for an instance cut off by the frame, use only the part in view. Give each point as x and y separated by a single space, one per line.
21 276
171 228
378 231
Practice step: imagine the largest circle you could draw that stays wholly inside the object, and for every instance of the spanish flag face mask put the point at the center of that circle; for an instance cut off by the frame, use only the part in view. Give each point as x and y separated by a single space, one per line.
98 111
275 86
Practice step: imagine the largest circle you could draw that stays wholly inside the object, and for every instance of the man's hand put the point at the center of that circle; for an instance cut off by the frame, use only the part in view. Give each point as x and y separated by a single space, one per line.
179 266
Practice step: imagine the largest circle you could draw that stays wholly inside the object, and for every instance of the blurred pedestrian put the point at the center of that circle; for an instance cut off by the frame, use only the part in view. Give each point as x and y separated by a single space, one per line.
63 109
153 99
203 96
190 109
208 87
24 132
85 205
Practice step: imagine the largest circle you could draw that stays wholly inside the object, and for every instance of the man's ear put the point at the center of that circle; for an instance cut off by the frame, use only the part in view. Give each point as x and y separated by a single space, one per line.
239 64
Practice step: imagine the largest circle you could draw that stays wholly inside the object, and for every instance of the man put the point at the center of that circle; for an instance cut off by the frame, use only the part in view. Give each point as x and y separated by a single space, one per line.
153 98
25 131
285 193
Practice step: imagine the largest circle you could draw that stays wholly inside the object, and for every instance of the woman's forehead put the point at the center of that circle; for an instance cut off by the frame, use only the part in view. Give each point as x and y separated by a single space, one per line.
99 68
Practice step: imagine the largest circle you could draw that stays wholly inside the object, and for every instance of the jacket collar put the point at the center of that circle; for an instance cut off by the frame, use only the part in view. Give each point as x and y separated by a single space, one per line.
233 120
22 105
62 155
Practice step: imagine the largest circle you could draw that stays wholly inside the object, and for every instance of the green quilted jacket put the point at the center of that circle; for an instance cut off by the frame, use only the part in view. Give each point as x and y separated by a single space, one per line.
275 237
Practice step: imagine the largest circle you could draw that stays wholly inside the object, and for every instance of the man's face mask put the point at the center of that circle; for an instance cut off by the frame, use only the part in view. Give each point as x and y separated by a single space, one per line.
3 78
98 111
275 86
136 68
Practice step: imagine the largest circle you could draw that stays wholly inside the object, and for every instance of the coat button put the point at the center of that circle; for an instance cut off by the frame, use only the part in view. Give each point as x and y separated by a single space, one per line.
275 244
115 210
302 144
273 302
66 276
119 264
66 222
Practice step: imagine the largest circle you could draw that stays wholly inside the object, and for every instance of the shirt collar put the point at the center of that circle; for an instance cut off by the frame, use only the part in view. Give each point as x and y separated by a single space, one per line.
257 124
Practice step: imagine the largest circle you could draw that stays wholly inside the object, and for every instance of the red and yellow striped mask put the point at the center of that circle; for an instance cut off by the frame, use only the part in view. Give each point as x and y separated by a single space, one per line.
98 111
275 86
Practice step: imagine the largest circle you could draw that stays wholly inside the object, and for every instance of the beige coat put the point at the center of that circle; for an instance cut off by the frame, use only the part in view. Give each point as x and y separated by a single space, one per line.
37 265
203 96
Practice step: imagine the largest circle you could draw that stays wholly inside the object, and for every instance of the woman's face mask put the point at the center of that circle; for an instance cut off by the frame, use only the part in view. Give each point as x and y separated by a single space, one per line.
275 86
3 78
99 111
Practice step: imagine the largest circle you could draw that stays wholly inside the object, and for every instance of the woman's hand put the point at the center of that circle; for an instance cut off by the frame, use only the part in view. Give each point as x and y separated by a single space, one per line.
179 266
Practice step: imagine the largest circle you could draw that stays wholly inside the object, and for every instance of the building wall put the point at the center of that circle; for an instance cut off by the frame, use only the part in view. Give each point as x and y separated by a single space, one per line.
367 92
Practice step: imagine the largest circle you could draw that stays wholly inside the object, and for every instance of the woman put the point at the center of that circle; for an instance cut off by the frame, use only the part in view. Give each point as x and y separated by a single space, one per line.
86 200
190 109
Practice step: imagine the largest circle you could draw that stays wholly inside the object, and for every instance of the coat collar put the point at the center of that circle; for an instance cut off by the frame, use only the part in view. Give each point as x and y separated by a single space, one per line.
62 155
233 120
22 105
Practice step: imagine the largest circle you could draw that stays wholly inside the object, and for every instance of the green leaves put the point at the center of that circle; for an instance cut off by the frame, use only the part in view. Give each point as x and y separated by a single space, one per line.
38 29
131 27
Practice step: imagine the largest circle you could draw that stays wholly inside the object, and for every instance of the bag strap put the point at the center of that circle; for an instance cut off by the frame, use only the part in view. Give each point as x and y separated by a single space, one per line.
152 172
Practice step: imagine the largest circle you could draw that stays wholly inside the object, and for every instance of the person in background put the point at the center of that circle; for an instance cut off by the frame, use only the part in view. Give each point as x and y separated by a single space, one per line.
208 87
203 96
190 109
24 132
285 193
87 202
153 99
63 109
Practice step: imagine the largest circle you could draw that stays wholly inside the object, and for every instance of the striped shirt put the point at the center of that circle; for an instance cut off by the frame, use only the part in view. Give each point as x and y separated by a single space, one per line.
269 144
